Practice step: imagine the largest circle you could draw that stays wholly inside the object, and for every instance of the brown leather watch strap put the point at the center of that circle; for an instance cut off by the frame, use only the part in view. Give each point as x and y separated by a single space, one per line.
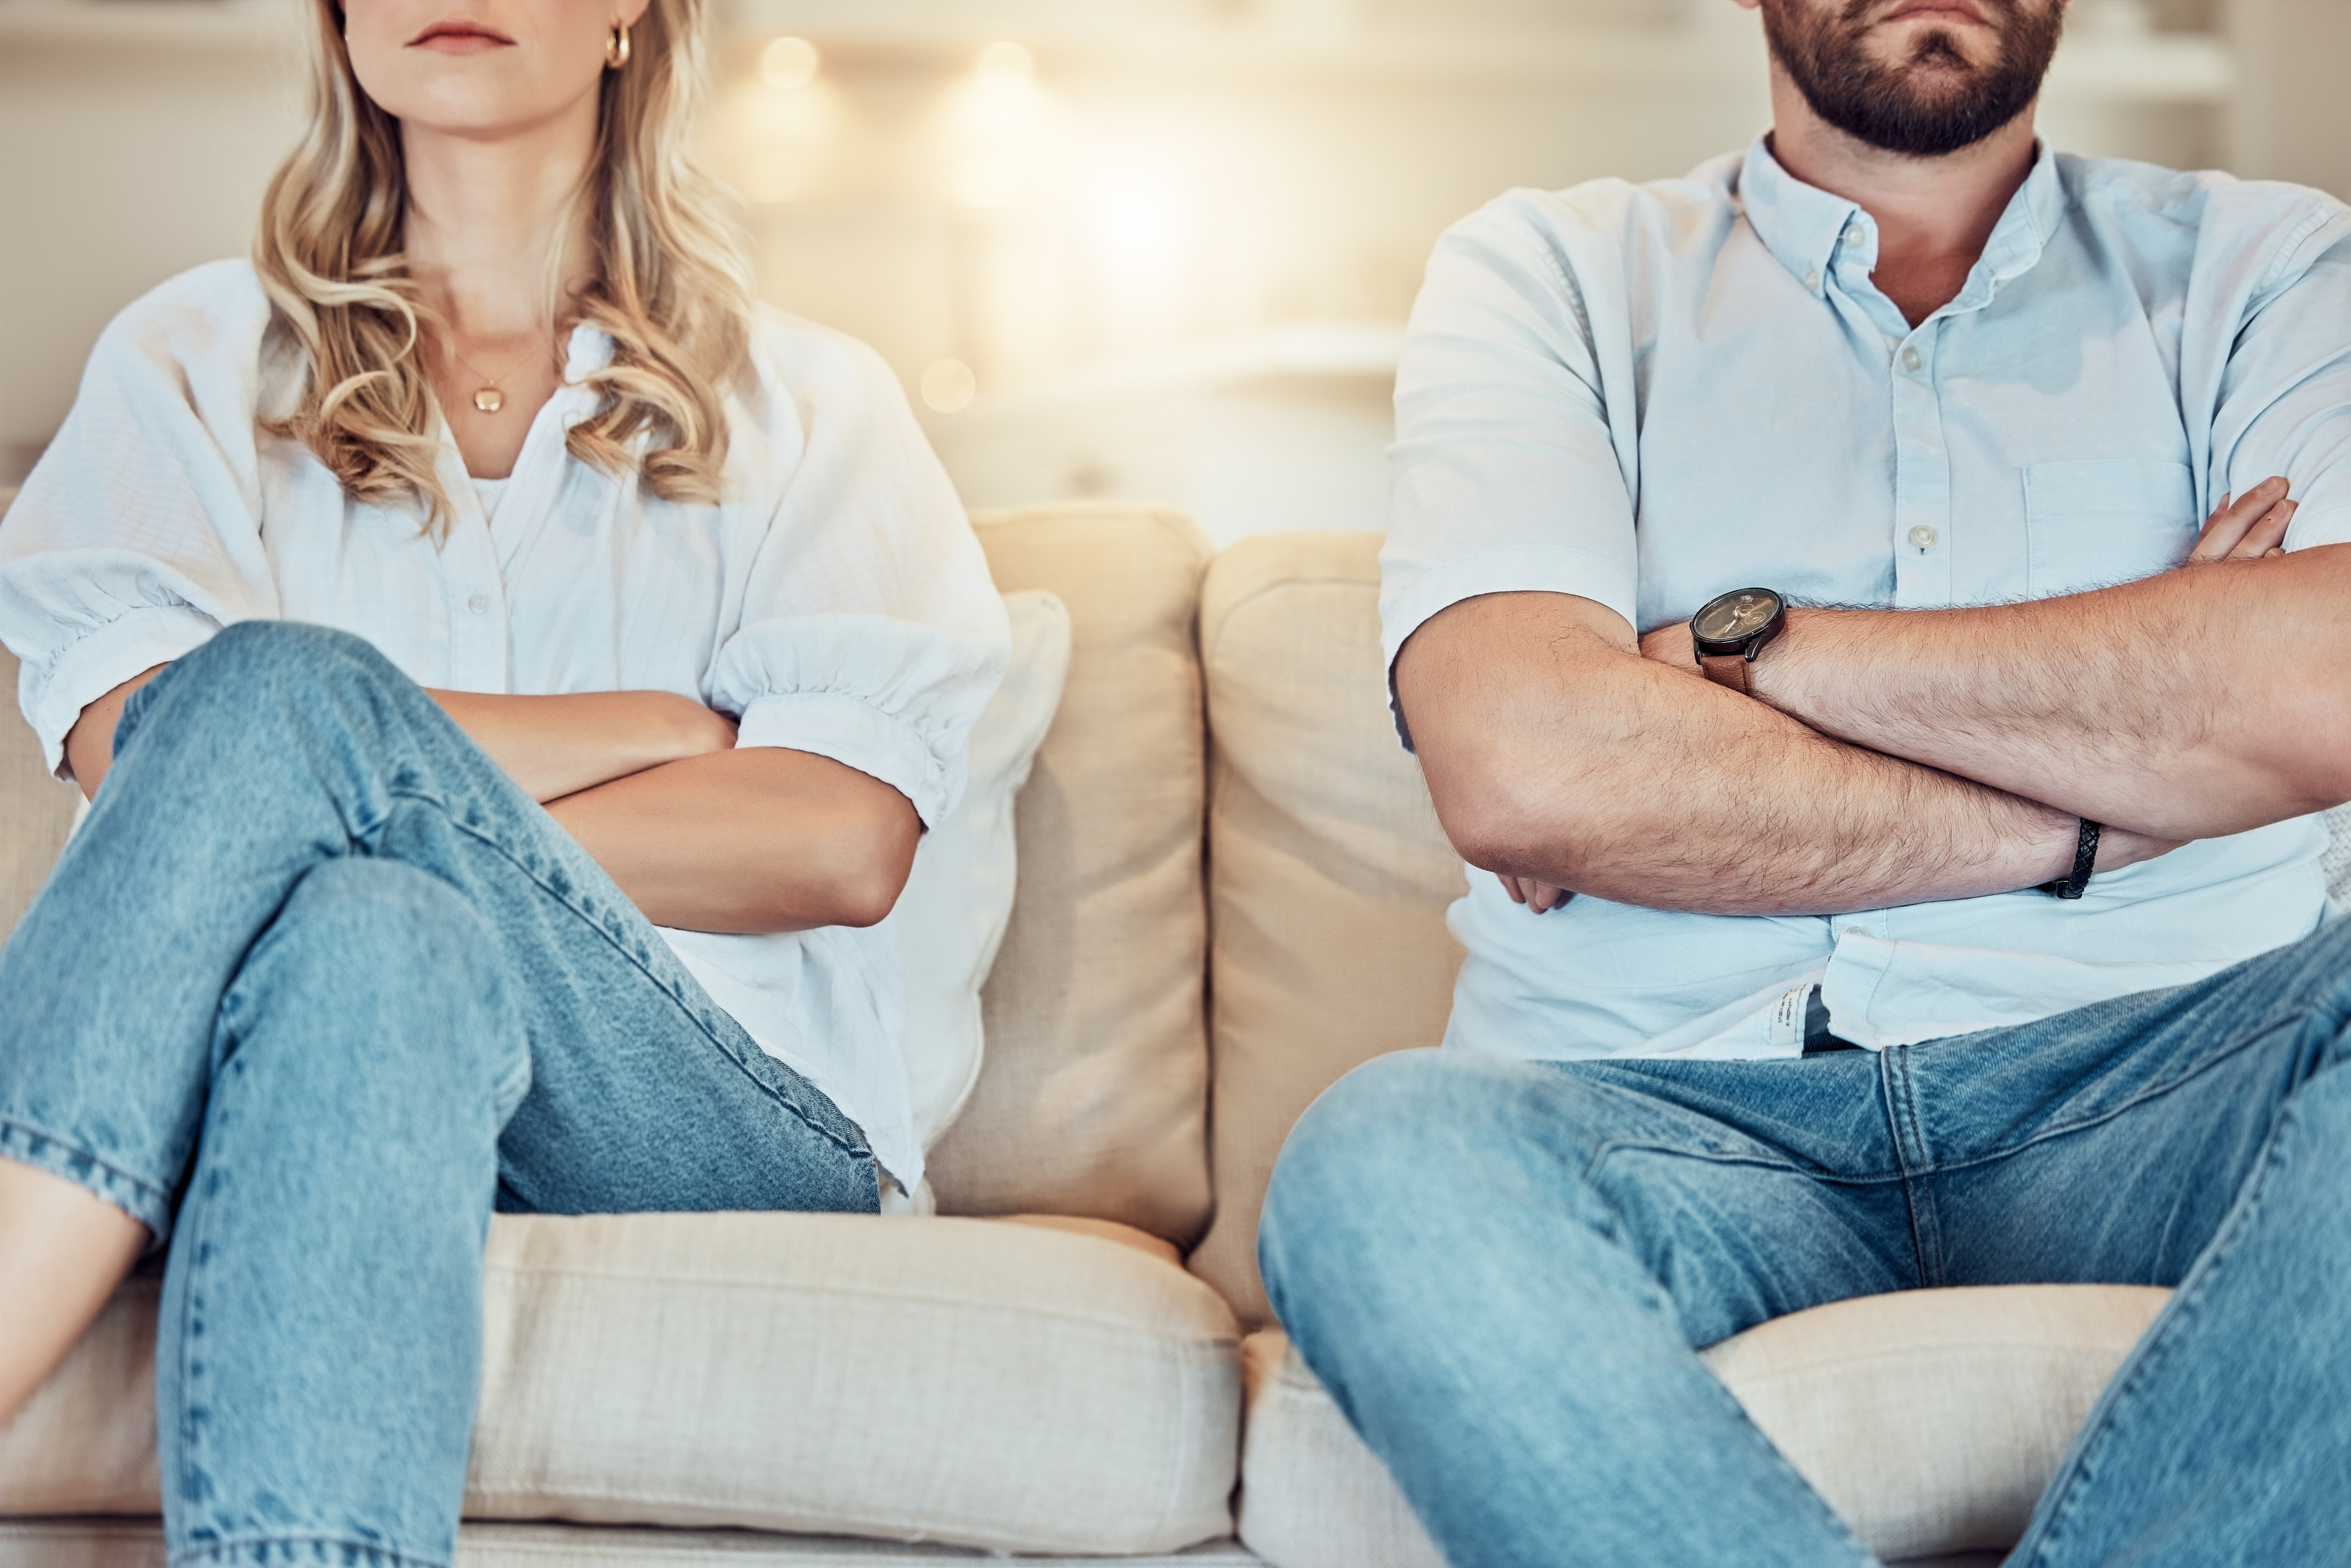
1727 670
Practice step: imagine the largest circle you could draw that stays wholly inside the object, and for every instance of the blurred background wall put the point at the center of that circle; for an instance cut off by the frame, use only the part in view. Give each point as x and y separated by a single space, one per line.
1157 248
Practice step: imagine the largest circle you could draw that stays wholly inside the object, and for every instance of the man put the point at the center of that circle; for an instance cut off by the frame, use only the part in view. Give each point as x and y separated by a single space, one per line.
1899 358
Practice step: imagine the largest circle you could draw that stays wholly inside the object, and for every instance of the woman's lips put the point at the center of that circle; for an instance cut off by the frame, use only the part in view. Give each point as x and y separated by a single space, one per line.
459 39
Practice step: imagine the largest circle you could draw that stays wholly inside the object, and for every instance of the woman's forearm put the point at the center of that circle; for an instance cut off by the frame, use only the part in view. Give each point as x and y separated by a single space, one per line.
755 839
551 746
558 746
90 744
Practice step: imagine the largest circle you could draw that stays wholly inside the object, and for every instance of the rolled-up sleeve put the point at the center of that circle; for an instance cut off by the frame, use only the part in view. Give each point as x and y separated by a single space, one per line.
2285 405
136 537
1506 474
872 632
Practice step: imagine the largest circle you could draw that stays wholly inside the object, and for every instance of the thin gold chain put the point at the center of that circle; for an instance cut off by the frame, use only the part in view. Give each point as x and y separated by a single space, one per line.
490 383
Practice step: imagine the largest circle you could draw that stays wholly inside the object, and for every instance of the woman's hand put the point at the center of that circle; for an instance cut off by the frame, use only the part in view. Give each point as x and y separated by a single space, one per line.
558 746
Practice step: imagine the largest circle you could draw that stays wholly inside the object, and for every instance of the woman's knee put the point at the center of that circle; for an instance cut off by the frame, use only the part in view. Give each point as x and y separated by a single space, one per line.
255 671
274 655
388 966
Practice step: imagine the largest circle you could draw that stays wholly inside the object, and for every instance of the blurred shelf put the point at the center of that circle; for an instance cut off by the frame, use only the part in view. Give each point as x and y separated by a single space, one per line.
1691 47
172 27
1323 353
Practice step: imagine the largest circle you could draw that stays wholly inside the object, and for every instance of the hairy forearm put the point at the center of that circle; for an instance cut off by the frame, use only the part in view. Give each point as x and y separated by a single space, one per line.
1554 752
2201 702
557 746
756 840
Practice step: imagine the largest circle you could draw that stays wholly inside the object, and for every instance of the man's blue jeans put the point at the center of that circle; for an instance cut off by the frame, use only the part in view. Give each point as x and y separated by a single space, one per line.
315 987
1500 1270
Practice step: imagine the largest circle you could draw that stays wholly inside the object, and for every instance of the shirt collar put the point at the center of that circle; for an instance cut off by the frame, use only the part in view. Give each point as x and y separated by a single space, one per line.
588 353
1802 225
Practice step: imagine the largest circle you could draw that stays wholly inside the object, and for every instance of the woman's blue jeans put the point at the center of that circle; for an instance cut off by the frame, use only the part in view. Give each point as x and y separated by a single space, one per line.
1501 1269
315 988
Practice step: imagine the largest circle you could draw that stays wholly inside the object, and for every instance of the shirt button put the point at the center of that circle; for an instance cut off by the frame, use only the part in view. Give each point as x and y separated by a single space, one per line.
1910 360
1853 234
1812 281
1923 537
480 603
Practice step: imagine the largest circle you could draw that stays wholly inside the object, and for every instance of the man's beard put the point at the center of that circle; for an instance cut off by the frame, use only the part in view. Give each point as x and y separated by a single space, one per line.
1905 108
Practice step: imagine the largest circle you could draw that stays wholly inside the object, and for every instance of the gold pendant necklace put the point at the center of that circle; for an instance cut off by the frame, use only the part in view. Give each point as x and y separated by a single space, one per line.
488 397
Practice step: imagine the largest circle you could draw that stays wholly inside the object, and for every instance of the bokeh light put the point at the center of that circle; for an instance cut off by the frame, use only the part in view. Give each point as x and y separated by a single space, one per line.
789 63
1006 64
948 385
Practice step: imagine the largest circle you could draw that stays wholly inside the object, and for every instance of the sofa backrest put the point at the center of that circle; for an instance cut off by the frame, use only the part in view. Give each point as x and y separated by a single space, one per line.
35 811
1093 1099
1328 874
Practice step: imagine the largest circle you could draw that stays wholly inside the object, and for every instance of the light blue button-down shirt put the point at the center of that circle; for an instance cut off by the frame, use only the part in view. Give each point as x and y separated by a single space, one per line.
1645 395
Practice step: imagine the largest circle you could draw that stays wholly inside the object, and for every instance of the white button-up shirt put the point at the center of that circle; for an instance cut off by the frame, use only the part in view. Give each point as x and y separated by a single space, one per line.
837 601
1647 395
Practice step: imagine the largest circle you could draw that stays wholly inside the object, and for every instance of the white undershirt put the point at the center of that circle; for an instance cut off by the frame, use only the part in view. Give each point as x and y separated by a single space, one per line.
489 490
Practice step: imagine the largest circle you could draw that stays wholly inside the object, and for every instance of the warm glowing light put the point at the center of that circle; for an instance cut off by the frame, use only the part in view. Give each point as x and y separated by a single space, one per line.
1006 64
1000 128
948 385
789 63
1136 222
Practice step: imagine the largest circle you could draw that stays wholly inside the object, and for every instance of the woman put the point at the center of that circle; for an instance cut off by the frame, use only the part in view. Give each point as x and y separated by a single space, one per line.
647 609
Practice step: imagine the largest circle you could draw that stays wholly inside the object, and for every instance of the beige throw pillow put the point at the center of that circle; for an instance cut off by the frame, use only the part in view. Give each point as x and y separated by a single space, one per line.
951 919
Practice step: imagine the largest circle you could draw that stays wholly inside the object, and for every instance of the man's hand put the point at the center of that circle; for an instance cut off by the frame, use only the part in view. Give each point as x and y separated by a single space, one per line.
1540 896
2248 528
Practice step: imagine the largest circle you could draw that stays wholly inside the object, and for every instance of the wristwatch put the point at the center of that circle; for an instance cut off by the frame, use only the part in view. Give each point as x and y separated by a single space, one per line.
1731 630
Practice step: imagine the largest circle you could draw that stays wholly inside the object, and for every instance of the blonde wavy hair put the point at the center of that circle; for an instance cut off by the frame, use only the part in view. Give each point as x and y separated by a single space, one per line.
669 283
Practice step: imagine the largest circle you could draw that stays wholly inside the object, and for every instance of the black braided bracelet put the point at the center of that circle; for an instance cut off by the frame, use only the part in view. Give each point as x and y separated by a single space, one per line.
2085 859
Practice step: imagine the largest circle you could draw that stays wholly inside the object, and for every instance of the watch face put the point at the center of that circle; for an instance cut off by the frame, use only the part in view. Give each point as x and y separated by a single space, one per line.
1735 617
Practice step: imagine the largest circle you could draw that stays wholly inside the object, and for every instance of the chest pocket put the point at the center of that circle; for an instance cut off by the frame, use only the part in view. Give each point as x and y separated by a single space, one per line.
2092 524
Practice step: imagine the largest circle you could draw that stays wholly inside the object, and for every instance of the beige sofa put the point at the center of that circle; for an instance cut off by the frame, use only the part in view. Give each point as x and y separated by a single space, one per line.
1231 891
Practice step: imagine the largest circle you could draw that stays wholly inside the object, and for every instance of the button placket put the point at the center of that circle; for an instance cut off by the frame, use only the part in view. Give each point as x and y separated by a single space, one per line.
477 618
1922 478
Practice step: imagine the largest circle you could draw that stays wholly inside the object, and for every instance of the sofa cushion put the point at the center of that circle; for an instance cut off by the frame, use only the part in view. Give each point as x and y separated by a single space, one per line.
36 812
119 1543
1094 1098
1328 874
1930 1420
1019 1387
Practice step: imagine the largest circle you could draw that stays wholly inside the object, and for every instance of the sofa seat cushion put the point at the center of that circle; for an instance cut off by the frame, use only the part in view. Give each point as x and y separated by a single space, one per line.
1012 1387
118 1544
1930 1420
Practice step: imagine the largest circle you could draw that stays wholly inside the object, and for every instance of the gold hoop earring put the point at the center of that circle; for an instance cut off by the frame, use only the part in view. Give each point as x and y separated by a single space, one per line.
616 48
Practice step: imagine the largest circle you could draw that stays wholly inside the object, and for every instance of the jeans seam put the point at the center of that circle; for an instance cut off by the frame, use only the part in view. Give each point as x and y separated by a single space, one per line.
1600 1154
191 1297
613 940
1909 1139
161 1198
2152 1092
225 1551
2157 1349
